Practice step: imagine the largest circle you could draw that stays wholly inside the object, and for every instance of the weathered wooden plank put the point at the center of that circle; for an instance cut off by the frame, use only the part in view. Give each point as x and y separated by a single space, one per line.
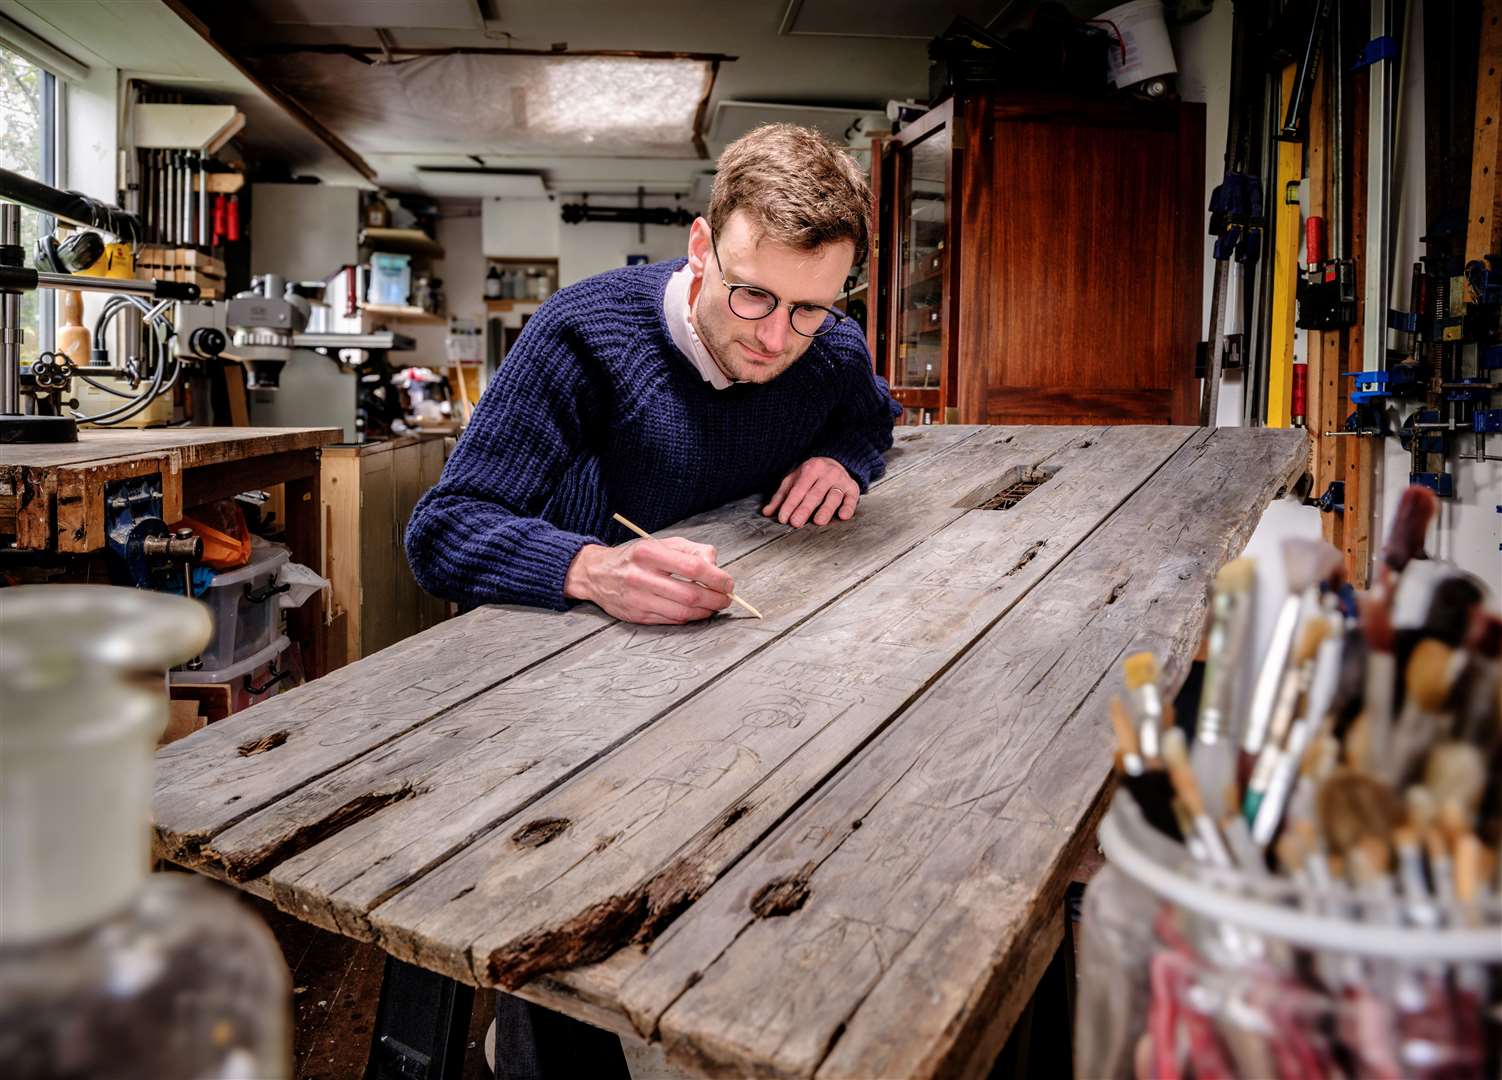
624 847
227 771
458 777
922 872
198 445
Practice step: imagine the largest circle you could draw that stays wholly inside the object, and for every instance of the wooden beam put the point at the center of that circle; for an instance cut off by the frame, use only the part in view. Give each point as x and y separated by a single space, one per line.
1357 527
289 106
1325 353
1484 225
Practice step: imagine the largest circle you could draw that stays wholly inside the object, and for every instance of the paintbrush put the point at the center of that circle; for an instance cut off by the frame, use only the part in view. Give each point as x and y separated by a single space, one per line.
1431 672
1405 539
1477 719
1268 810
1305 562
1379 682
1140 671
1295 684
1149 787
1213 755
639 531
1187 788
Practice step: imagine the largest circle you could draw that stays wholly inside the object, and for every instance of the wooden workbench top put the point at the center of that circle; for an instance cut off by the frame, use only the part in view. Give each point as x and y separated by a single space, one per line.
832 842
196 445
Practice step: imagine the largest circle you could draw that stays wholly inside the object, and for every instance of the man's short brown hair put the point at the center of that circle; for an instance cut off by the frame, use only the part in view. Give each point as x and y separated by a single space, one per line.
799 188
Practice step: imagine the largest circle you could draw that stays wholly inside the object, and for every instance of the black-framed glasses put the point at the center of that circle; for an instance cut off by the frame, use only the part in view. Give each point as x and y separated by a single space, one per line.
752 302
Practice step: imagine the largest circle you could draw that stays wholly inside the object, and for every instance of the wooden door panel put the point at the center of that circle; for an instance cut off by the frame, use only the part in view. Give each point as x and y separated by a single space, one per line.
1080 297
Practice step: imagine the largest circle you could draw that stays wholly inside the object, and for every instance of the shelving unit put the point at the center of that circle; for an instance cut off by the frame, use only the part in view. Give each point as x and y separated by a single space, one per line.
401 242
403 314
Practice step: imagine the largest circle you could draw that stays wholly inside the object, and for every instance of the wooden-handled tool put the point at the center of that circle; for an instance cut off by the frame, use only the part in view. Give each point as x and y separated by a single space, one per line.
639 531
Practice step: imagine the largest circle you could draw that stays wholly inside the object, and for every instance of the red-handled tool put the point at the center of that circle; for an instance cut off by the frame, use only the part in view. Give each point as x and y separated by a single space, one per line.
1300 392
1314 243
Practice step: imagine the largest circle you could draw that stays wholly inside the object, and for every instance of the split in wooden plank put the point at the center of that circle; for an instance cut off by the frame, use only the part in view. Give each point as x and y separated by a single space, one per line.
208 782
624 847
970 805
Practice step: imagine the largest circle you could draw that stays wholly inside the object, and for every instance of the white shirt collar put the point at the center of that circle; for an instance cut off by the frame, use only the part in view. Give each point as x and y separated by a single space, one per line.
675 311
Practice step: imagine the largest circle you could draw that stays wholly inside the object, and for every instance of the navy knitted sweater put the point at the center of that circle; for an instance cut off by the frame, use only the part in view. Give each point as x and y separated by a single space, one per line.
595 411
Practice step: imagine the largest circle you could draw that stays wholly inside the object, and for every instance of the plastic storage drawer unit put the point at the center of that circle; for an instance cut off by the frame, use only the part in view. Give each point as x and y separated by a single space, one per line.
246 613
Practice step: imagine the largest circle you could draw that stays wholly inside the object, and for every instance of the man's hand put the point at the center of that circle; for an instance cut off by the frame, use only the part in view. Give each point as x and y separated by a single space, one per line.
650 581
817 490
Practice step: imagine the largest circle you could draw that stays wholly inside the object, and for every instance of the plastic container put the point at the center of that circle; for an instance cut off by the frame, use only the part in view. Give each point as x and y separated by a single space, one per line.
246 615
390 279
1186 970
107 969
249 665
1139 31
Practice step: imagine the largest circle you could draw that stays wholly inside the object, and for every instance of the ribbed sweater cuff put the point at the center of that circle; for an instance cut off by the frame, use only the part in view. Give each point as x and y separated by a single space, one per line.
541 563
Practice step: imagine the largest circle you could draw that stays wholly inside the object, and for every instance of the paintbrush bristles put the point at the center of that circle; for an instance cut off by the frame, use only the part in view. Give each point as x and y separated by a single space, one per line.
1429 675
1236 577
1308 562
1405 540
1139 670
1456 772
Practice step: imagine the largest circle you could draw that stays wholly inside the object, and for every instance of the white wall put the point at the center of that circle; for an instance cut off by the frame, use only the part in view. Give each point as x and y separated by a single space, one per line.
1468 529
593 247
462 269
1203 51
533 228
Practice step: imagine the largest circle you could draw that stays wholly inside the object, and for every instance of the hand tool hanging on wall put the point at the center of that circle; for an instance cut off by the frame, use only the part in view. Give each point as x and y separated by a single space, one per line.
1236 219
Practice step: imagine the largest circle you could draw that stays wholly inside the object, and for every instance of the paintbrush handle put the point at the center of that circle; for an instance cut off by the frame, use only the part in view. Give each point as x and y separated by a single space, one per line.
639 531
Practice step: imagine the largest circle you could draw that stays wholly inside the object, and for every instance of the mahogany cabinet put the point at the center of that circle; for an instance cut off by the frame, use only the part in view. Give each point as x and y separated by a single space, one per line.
1039 260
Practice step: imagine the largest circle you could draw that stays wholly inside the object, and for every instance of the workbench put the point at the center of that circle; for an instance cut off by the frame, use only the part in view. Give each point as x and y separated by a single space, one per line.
833 842
53 496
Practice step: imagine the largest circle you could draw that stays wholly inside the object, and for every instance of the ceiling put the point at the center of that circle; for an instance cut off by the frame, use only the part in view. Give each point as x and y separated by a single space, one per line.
849 56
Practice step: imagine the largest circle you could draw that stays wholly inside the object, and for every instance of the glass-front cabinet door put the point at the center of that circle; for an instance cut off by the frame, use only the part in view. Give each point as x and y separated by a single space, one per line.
918 328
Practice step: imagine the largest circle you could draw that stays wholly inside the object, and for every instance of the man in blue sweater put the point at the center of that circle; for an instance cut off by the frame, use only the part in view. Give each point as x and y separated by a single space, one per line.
657 392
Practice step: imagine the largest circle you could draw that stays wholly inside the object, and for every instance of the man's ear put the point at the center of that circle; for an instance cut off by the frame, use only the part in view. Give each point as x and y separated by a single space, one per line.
698 246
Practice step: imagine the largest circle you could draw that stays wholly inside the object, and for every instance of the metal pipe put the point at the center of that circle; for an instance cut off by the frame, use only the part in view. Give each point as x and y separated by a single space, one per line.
1335 80
1381 101
203 202
10 319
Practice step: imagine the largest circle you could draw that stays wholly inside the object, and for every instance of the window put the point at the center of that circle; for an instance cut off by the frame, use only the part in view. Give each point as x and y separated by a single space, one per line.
28 145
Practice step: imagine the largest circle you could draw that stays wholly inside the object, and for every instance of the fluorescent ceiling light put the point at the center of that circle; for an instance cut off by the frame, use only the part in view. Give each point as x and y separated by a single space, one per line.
489 104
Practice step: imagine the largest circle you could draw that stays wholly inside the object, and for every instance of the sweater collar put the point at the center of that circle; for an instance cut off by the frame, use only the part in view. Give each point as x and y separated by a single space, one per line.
675 312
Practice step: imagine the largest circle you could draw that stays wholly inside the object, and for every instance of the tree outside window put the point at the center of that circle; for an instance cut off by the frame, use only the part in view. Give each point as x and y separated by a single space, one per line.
26 95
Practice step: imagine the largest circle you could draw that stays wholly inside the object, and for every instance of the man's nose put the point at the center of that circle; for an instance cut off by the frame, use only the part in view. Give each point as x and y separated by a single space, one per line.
773 331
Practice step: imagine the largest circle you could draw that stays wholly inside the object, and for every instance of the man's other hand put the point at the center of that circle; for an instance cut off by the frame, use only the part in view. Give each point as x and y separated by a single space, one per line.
816 491
671 580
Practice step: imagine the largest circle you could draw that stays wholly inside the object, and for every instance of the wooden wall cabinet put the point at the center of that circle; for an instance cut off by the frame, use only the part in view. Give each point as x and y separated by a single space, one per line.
1039 260
369 491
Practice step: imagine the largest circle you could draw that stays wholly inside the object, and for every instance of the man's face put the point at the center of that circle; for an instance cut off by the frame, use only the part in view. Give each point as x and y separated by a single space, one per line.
758 350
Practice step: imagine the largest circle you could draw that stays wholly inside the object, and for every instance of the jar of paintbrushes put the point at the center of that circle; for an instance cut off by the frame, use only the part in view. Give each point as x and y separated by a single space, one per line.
1303 879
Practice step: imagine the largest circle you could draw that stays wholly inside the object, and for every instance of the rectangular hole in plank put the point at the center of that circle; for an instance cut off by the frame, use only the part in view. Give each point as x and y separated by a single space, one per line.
1009 489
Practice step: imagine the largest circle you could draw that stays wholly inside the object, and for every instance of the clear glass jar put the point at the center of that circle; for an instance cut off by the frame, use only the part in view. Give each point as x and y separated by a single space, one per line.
105 968
1187 972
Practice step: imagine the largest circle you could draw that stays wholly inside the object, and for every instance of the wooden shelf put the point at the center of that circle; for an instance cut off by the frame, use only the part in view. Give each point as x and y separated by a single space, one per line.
401 242
508 305
403 314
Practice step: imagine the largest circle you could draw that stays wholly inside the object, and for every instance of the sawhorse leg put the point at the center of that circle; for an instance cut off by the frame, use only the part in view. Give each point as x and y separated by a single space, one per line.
421 1024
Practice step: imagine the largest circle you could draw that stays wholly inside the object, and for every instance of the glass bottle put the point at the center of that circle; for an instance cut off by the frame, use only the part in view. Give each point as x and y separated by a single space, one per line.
107 969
